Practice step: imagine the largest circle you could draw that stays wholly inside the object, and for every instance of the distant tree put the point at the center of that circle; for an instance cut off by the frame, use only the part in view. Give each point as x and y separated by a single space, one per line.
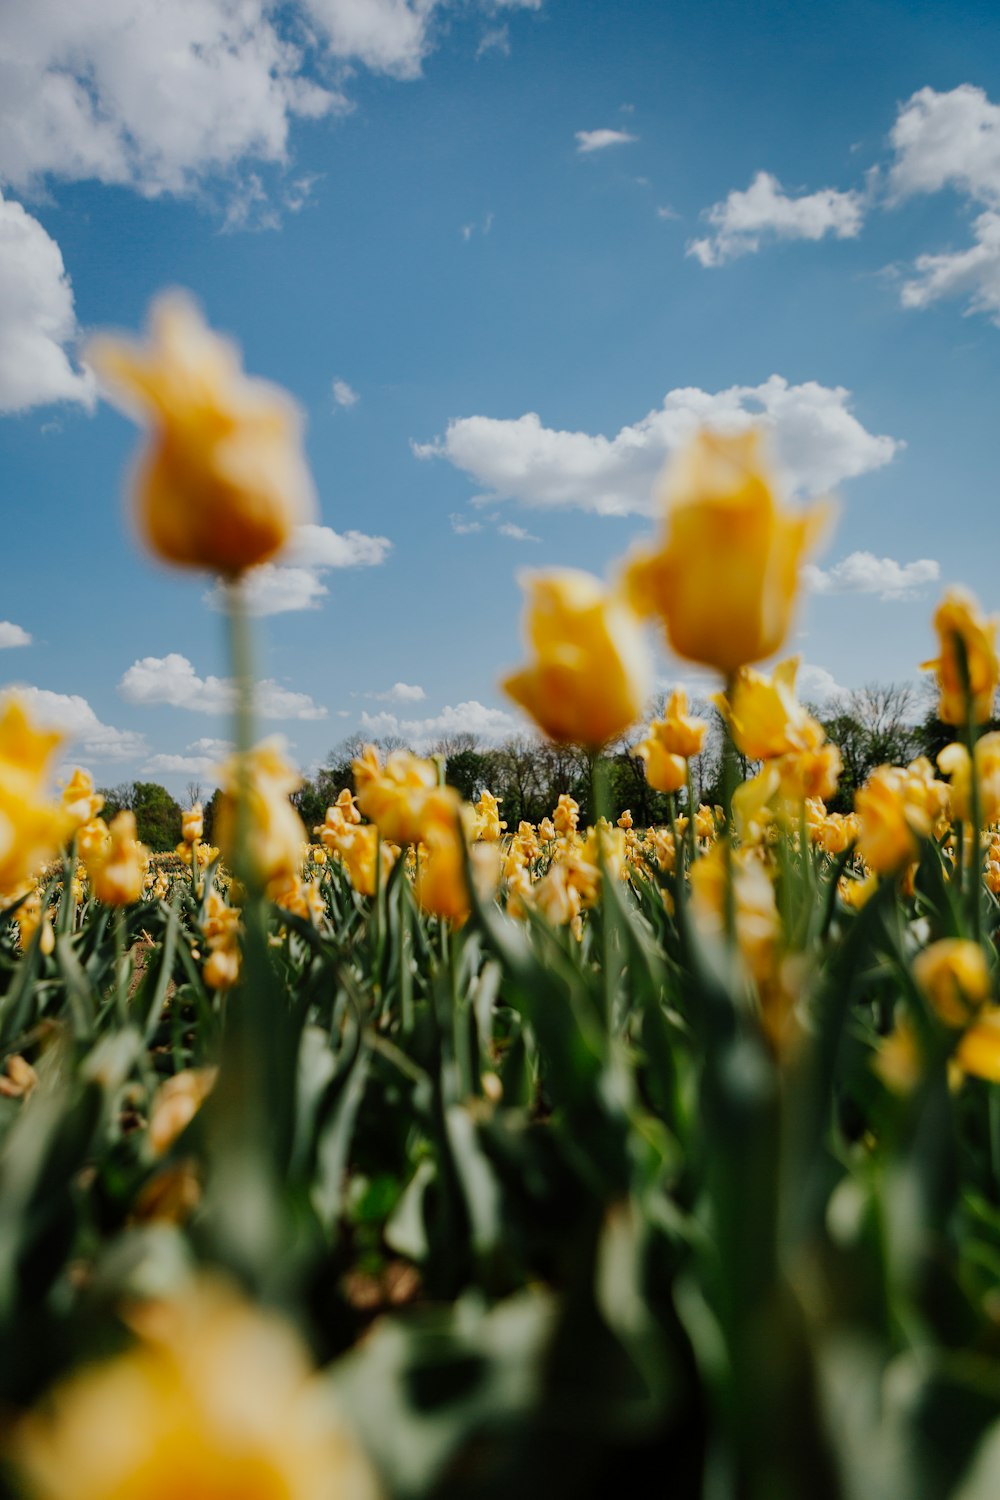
157 815
193 793
120 798
874 725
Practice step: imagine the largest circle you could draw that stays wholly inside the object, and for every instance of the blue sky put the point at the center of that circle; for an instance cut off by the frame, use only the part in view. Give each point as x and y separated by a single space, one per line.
430 219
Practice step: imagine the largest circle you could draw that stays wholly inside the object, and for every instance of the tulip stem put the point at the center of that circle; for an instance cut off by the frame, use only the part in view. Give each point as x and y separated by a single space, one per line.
241 657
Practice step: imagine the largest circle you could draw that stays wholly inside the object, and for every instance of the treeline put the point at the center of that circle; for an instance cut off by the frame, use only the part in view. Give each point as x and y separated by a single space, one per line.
874 725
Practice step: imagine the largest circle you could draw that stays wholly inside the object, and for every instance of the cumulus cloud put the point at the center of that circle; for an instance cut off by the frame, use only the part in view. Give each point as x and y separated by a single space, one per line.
75 718
599 140
37 319
148 95
172 680
13 635
343 394
461 525
973 272
294 581
471 717
322 547
864 573
400 692
180 765
952 140
765 211
516 533
815 684
818 442
945 140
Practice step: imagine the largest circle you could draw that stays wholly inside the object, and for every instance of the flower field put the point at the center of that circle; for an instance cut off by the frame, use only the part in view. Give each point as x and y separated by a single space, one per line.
414 1154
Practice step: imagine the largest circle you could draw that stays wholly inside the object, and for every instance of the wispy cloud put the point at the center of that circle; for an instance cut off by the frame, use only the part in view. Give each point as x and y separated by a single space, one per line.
588 141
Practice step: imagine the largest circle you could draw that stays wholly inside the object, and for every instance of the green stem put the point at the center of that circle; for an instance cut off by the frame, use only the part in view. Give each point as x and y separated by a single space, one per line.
121 965
241 656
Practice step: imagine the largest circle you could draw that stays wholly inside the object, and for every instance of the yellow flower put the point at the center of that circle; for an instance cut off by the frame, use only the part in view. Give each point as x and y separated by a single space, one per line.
954 976
393 795
565 817
669 744
81 802
274 831
758 924
954 761
897 809
764 715
31 826
193 824
978 1053
489 826
223 479
725 574
175 1104
216 1399
591 671
117 866
441 887
358 847
958 615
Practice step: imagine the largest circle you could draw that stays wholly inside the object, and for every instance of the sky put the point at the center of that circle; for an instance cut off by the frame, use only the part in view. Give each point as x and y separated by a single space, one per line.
506 255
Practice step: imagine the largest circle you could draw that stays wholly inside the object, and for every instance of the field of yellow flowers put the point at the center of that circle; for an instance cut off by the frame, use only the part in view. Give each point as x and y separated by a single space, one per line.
415 1155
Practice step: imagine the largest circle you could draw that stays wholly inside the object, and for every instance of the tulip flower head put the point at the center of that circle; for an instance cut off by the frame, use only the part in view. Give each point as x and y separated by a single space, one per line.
958 617
590 672
223 480
725 574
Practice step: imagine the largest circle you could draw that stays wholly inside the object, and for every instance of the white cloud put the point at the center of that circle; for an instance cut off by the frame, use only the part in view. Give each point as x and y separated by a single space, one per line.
495 39
322 547
471 717
294 582
973 272
181 765
13 635
664 211
952 140
599 140
460 525
149 95
817 440
864 573
173 680
74 716
945 140
516 533
37 320
765 211
815 684
274 590
400 692
343 394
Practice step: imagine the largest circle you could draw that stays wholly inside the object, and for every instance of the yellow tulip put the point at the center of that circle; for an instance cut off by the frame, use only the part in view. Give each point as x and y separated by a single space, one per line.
958 615
275 836
725 575
81 802
764 715
117 866
223 479
591 671
193 824
393 795
31 826
954 760
175 1104
897 808
954 976
758 925
669 744
216 1399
